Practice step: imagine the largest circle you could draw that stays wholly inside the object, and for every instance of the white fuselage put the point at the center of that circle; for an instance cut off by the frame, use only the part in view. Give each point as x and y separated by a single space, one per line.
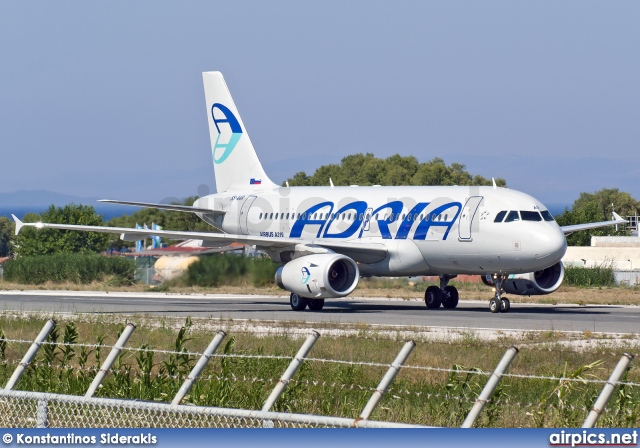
426 230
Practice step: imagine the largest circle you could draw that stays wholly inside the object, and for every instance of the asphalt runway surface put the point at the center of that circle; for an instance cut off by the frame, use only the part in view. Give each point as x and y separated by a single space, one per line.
391 312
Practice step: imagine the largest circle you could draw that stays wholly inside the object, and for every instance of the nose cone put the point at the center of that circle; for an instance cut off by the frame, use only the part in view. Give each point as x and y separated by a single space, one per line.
551 244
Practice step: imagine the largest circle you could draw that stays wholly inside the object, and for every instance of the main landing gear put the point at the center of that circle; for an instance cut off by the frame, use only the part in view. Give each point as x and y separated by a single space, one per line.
498 303
444 295
299 303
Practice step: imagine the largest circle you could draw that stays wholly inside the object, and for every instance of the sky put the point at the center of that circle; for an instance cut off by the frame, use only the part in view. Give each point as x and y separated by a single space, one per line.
105 99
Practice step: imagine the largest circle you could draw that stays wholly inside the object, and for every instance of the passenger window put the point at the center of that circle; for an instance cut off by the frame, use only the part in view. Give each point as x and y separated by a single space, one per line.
271 217
546 215
512 216
530 216
260 217
500 216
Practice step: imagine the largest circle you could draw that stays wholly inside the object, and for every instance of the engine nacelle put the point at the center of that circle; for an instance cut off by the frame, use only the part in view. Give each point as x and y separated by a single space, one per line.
536 283
319 276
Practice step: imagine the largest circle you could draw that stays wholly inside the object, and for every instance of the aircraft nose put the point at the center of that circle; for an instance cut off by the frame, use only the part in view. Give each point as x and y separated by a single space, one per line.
553 244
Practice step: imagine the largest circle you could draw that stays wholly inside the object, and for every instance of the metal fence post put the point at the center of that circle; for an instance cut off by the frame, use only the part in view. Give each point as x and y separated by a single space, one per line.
31 353
607 390
200 365
291 370
113 355
42 417
491 385
387 379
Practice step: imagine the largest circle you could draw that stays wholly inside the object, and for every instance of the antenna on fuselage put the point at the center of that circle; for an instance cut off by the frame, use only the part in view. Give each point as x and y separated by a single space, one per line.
287 182
331 182
494 183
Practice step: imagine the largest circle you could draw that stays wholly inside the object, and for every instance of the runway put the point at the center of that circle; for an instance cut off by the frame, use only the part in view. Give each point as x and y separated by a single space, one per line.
391 312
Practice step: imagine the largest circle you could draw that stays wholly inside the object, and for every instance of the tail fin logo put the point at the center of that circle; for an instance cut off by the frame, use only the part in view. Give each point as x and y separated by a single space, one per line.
230 134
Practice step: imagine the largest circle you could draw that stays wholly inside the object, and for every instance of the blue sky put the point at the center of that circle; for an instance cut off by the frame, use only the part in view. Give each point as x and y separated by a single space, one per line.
106 99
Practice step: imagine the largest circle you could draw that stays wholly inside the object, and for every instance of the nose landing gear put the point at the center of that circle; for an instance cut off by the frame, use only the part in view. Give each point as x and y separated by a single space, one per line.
498 303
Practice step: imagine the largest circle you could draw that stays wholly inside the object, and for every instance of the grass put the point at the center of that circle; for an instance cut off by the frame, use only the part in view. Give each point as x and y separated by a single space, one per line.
418 395
72 268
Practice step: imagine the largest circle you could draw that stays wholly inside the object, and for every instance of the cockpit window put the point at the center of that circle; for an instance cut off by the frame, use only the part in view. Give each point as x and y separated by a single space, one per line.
546 215
530 216
500 216
512 216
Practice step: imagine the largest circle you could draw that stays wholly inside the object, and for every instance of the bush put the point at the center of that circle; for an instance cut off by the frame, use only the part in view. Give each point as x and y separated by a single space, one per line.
586 277
76 268
219 270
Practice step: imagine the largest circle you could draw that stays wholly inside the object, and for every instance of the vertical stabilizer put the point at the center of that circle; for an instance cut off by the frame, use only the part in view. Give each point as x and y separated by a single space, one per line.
235 162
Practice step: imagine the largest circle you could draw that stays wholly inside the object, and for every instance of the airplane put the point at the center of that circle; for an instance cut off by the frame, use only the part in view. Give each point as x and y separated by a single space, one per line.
326 238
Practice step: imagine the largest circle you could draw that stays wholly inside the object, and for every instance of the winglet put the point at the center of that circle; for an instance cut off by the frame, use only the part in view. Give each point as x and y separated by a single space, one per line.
19 224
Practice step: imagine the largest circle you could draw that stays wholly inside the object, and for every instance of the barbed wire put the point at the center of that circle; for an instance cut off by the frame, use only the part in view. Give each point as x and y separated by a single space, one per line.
326 361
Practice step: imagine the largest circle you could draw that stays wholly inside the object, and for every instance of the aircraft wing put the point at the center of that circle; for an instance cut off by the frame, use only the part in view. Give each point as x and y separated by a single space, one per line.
360 252
593 225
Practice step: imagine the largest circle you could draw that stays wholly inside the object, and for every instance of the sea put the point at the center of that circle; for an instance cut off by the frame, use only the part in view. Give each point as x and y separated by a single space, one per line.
106 210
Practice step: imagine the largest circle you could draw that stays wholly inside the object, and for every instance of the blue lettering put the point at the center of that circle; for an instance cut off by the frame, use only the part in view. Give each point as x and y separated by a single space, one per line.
306 219
394 209
359 207
383 224
427 223
405 226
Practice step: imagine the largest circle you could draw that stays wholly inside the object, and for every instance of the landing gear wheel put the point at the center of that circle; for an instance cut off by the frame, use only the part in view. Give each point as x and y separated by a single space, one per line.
494 305
450 299
505 305
297 303
433 297
316 304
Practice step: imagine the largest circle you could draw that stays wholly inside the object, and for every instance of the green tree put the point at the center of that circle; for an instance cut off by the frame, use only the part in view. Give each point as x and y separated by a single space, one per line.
33 241
6 235
366 169
586 213
608 200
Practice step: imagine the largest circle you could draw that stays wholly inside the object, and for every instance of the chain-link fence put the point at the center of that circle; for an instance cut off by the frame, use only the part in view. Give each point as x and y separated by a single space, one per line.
19 409
22 408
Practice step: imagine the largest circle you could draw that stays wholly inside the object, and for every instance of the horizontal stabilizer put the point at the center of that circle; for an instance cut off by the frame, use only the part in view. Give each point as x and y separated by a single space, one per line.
172 207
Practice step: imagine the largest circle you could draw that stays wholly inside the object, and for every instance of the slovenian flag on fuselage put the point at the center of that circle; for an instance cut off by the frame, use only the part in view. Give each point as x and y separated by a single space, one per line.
255 181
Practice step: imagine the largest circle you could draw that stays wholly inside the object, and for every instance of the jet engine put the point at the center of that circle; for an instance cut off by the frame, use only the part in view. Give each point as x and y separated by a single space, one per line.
536 283
319 276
